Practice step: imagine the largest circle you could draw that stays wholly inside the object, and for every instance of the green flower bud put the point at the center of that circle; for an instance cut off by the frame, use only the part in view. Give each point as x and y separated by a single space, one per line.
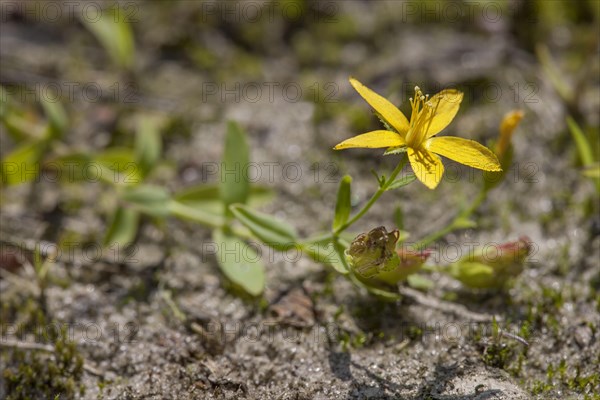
373 252
492 266
410 263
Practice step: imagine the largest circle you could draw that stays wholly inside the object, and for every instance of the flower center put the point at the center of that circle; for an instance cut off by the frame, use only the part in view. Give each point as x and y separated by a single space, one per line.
423 111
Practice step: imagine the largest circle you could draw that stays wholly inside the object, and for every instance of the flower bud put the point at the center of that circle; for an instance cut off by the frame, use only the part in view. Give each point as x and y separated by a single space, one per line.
503 148
373 252
507 127
410 262
376 262
492 266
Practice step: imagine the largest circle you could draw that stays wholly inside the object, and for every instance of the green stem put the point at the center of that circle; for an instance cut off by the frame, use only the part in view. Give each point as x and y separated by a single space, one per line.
456 222
373 199
326 237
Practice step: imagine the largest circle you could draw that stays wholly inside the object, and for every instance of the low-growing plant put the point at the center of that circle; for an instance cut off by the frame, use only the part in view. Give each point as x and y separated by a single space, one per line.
377 260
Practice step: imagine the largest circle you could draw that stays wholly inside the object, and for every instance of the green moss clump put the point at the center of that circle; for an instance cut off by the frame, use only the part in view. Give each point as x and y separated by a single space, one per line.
37 375
498 355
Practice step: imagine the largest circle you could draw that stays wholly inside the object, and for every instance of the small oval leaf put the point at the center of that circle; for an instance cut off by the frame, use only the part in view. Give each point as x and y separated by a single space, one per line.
116 166
114 33
22 164
234 181
123 227
56 114
195 214
400 182
69 168
343 203
148 199
148 143
271 231
239 262
325 252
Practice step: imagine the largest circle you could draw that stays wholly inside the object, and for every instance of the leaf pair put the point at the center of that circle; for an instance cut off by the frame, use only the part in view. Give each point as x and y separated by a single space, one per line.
237 259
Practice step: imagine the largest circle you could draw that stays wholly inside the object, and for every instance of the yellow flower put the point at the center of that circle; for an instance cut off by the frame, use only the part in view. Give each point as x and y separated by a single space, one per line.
430 115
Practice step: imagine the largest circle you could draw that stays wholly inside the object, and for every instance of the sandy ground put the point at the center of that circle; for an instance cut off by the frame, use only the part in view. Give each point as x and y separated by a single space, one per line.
331 340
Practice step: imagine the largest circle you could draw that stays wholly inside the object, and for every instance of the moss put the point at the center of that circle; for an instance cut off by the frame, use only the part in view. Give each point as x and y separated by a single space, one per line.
350 340
540 387
498 355
33 375
558 378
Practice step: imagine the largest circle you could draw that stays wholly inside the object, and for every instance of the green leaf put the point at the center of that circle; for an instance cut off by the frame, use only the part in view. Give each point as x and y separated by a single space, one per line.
399 217
118 166
57 116
271 231
195 214
239 262
114 33
234 182
340 250
19 124
149 199
208 198
325 253
21 128
71 168
400 182
583 146
123 227
553 73
148 144
22 164
343 203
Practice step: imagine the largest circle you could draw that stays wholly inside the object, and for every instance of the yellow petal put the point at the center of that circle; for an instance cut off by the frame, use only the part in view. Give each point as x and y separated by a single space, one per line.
382 106
372 140
446 104
427 166
464 151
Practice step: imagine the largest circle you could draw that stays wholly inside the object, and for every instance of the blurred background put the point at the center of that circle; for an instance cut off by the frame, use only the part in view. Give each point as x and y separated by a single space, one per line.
99 95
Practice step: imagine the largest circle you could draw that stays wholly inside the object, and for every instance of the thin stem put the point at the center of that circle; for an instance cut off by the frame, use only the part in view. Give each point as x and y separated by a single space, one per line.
456 223
326 237
374 198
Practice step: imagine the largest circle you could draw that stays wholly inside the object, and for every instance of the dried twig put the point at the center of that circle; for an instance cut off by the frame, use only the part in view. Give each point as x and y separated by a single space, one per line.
445 306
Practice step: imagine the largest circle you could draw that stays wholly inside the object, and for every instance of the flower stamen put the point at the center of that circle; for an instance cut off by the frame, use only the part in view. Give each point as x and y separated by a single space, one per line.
422 114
